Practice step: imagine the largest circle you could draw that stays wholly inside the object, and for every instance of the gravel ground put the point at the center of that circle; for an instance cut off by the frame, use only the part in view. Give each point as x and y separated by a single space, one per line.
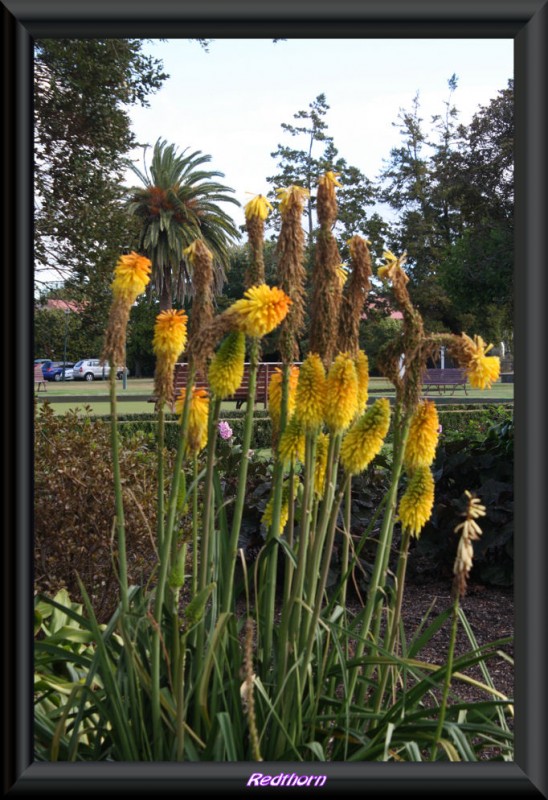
490 612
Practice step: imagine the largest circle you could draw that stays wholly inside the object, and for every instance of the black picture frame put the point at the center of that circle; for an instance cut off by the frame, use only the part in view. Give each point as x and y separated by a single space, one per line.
524 21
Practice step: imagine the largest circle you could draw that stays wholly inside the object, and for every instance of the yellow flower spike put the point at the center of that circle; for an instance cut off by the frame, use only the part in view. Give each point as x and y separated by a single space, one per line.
169 340
198 249
170 334
310 395
131 276
365 438
290 196
275 394
197 421
395 265
416 504
470 532
320 466
341 393
292 442
422 440
330 178
482 370
260 311
342 273
226 369
361 363
190 251
266 518
382 272
257 207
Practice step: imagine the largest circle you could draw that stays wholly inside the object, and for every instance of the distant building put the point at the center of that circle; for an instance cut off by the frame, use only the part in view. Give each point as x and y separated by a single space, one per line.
381 305
63 305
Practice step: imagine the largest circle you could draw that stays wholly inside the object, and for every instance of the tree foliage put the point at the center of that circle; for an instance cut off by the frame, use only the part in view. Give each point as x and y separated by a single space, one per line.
318 154
452 192
83 89
477 271
178 203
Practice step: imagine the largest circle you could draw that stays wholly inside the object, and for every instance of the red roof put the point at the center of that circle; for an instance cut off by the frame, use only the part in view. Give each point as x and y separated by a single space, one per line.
382 305
64 305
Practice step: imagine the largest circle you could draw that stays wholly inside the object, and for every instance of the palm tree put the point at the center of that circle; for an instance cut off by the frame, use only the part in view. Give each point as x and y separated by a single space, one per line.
177 205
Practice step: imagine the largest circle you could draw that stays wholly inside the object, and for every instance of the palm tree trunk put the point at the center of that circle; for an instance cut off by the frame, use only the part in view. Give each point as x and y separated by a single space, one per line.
166 299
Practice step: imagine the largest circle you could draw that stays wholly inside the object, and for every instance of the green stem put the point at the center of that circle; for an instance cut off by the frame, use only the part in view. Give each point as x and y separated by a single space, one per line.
160 452
242 478
346 540
292 605
194 582
207 526
314 559
289 568
180 695
207 517
322 583
174 492
448 676
378 578
119 503
396 615
164 565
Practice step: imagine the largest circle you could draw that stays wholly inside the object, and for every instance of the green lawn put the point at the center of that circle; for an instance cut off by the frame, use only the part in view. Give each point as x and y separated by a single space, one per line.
96 395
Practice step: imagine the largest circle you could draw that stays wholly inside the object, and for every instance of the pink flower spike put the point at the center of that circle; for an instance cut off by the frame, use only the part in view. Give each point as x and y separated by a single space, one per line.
225 431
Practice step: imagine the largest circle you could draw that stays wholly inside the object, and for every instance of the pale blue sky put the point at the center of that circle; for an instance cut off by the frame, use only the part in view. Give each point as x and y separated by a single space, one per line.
230 102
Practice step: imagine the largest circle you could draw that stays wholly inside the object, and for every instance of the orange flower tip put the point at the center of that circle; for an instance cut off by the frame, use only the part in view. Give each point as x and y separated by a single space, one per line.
261 310
131 275
170 334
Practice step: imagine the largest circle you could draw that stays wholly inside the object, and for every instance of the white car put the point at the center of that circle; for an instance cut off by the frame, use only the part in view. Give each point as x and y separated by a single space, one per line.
90 369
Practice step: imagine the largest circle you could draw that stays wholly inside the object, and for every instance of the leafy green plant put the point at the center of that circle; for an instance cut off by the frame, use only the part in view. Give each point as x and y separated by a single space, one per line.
221 657
486 463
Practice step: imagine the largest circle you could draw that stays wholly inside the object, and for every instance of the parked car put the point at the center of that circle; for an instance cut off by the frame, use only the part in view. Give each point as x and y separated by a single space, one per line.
53 370
90 369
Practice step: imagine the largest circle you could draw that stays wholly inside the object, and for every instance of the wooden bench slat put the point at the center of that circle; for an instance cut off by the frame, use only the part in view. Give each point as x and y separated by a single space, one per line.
438 378
265 372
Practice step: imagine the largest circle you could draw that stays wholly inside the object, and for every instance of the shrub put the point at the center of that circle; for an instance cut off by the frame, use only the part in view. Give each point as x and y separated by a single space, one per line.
74 506
130 424
486 464
472 422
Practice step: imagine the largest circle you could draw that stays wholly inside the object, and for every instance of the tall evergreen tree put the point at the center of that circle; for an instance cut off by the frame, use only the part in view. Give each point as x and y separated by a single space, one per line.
477 272
318 155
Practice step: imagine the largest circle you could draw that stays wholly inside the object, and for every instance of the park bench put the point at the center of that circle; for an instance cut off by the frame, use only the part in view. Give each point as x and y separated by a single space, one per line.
39 378
441 379
265 372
